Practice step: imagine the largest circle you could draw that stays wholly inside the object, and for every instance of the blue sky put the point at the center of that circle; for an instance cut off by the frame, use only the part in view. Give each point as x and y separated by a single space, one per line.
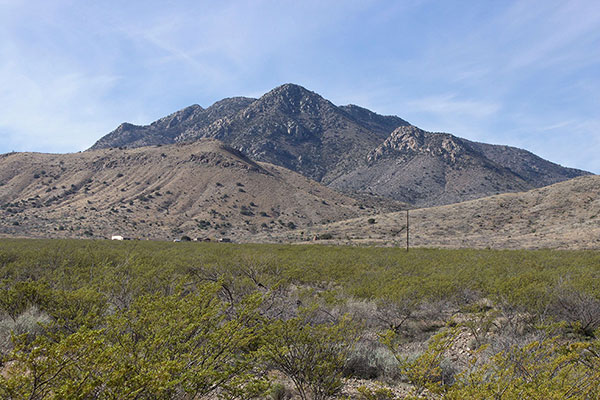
523 73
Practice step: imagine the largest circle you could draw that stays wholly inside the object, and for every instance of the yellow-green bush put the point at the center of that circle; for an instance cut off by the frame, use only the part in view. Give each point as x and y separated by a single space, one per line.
162 320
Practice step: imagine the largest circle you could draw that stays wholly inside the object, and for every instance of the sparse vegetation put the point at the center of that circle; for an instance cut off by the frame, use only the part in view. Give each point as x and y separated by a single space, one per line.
125 188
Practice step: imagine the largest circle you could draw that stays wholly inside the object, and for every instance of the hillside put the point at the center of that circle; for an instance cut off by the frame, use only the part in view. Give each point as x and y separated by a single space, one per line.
204 189
563 215
425 169
350 148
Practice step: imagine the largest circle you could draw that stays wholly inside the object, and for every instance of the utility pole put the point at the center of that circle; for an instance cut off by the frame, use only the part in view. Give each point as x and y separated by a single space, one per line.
407 230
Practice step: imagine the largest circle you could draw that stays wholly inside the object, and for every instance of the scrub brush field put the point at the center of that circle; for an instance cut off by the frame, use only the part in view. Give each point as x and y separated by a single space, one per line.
87 319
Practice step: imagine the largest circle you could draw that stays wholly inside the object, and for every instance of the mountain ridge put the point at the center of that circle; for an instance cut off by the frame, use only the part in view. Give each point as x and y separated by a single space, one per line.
350 148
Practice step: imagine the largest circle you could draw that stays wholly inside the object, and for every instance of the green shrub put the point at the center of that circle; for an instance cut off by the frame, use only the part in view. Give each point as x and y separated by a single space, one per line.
111 305
30 322
160 347
311 355
280 392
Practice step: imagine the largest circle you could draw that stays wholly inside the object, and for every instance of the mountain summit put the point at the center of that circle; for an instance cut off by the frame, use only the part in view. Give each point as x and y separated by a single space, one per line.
350 148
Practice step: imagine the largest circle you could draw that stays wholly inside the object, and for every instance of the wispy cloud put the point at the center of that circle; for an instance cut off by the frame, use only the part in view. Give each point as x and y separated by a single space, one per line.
53 115
452 104
555 33
507 72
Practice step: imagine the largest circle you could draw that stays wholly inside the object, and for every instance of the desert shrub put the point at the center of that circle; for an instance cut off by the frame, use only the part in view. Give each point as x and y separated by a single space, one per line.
369 359
548 369
71 310
430 370
203 224
522 279
162 347
378 393
578 308
246 211
311 355
49 369
16 297
280 392
479 319
30 322
81 289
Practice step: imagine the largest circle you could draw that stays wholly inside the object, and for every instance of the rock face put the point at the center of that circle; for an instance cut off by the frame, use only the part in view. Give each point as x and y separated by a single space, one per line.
350 148
298 129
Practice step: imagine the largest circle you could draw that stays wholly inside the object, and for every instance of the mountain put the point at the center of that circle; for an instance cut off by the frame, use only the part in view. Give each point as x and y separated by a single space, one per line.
167 130
202 189
350 148
565 215
424 169
289 126
298 129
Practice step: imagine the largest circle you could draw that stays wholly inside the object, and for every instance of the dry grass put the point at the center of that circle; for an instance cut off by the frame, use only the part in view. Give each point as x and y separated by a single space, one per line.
565 215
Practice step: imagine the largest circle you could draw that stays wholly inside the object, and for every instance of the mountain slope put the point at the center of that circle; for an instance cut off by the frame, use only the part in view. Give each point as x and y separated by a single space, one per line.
201 189
424 169
564 215
526 165
351 149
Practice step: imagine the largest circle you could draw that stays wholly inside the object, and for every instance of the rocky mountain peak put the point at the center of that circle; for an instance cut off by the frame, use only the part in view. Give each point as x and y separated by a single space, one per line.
124 126
290 91
294 99
406 141
406 137
232 102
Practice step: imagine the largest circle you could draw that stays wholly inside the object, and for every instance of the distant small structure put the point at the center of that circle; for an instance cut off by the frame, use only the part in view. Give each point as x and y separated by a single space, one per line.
225 240
117 237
